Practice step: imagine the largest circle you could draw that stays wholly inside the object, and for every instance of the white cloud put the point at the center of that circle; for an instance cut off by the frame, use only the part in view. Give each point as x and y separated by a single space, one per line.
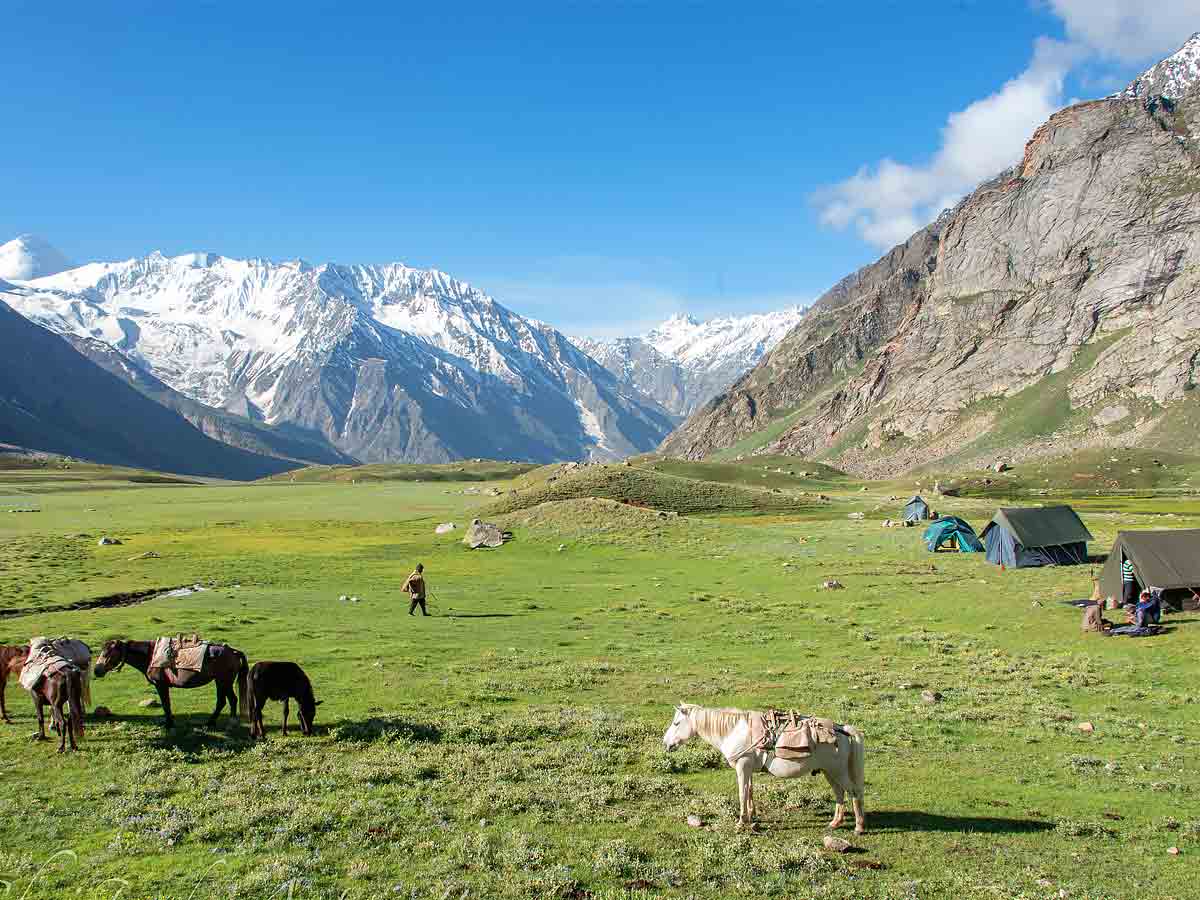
1132 32
888 201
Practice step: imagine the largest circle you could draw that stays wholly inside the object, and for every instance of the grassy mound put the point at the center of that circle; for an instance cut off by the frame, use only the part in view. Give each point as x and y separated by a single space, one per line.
473 470
768 471
647 488
592 517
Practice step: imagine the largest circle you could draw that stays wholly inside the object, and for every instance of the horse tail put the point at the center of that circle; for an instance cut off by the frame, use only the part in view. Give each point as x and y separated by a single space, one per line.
858 761
75 682
243 688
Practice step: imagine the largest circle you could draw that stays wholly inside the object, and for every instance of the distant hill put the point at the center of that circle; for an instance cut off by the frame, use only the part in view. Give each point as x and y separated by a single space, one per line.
54 399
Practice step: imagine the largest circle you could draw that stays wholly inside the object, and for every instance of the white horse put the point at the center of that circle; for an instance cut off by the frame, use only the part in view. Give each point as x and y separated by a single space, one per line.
731 731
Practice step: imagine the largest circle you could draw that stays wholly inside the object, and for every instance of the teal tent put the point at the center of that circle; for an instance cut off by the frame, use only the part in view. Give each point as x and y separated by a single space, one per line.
953 531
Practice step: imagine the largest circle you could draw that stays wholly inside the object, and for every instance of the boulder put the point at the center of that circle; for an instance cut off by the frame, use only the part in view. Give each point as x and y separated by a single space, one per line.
445 528
485 534
832 585
836 844
931 697
107 541
695 821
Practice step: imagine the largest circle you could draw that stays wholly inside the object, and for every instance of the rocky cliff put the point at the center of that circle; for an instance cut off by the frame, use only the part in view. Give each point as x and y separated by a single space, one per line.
1057 306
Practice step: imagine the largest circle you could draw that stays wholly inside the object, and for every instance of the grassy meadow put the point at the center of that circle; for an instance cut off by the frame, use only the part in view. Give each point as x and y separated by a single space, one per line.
510 744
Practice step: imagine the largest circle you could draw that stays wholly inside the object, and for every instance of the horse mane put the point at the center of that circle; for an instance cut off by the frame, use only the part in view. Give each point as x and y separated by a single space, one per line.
715 722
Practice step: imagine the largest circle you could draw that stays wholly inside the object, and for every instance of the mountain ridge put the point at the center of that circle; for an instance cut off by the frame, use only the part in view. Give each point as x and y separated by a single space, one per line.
386 363
1057 306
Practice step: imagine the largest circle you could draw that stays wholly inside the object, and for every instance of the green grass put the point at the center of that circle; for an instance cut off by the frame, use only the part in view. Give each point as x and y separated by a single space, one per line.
763 471
509 745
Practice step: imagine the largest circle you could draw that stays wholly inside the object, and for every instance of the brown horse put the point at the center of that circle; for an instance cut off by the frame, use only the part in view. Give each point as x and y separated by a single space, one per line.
12 659
222 669
56 690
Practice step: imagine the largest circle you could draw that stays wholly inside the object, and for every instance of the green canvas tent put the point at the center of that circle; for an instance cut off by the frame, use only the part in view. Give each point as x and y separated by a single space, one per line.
1168 560
1036 536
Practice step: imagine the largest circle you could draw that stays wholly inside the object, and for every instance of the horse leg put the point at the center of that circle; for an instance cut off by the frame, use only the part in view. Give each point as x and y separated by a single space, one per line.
745 793
212 720
3 708
285 716
164 697
839 796
38 707
232 698
62 725
860 819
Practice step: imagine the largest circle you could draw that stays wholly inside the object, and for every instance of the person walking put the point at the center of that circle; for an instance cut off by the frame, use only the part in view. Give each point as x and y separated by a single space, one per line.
415 588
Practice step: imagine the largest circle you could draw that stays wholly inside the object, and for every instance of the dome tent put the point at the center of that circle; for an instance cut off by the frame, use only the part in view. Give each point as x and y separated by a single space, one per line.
953 531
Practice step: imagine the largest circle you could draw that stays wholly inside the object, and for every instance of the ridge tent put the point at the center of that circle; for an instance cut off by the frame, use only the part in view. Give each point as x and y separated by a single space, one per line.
1168 560
953 531
916 509
1018 537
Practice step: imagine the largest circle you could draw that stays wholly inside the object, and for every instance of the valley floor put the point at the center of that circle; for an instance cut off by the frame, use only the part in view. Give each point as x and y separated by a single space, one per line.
510 744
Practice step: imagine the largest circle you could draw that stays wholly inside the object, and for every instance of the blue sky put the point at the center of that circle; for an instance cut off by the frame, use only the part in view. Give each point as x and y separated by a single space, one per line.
598 165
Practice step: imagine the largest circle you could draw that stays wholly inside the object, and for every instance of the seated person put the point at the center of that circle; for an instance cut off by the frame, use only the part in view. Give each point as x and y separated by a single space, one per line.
1145 614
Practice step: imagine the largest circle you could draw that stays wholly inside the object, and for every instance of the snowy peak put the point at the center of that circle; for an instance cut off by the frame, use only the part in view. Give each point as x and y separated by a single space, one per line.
1171 77
685 362
29 256
702 344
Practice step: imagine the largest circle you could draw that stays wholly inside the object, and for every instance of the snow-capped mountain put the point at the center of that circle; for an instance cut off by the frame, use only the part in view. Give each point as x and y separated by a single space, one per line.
684 362
1170 77
386 362
29 256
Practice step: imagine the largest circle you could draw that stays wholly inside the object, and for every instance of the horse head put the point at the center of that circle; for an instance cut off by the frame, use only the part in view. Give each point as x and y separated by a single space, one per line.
680 731
111 658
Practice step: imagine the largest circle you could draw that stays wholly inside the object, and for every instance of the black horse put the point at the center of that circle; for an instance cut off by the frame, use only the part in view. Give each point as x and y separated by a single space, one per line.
280 681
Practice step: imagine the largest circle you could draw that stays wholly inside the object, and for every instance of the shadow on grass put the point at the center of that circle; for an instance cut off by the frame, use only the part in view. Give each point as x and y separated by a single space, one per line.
452 615
912 820
381 728
190 732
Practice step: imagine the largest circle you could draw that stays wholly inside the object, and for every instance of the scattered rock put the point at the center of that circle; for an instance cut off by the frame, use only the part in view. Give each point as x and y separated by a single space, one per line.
1086 727
856 515
1174 851
344 598
1000 466
695 821
107 541
353 599
101 712
832 585
836 844
562 547
931 697
149 554
445 528
149 703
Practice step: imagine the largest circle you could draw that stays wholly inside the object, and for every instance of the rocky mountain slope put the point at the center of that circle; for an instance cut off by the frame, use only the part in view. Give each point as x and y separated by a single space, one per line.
54 399
1058 306
383 363
684 363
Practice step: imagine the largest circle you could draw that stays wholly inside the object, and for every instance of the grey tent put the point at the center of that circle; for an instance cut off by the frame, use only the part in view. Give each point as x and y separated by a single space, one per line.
916 509
1036 536
1168 560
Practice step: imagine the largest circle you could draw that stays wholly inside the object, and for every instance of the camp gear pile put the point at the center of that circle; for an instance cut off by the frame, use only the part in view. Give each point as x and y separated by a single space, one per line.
789 735
48 656
180 653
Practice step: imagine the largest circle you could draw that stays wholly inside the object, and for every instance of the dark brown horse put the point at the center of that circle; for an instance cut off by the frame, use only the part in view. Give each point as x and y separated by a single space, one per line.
280 681
12 659
56 690
222 669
